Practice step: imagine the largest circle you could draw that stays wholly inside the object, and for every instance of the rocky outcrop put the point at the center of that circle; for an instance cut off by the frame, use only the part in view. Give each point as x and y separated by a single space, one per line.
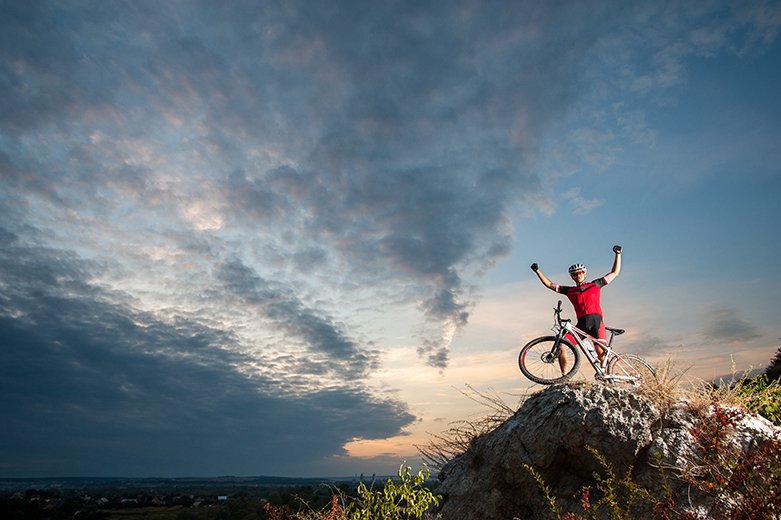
550 433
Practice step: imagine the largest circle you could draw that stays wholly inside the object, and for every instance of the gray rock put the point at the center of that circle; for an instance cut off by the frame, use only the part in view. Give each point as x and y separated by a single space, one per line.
550 432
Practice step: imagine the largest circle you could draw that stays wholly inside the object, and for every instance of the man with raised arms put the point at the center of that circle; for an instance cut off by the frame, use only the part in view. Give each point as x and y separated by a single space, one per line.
585 298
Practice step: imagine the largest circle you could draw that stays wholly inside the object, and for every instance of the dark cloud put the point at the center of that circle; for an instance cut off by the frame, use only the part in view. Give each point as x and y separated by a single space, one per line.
652 346
724 325
93 387
436 353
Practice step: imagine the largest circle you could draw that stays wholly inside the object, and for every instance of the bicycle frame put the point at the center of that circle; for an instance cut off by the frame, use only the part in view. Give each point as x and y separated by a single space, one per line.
562 327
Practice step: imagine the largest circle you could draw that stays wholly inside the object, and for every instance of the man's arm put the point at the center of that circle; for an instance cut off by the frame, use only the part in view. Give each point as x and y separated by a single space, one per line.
609 277
544 279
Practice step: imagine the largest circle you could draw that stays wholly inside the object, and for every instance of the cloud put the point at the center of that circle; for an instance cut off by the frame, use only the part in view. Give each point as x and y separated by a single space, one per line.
92 386
724 325
580 205
654 346
363 153
670 36
330 350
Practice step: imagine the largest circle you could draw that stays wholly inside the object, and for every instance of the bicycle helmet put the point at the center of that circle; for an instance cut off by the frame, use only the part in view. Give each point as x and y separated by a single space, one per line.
577 267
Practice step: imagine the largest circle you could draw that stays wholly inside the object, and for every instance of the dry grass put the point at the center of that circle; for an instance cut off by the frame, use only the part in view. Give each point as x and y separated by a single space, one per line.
670 385
456 440
742 391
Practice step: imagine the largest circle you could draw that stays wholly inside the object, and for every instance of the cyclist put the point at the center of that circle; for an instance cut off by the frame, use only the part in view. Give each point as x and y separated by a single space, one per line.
585 298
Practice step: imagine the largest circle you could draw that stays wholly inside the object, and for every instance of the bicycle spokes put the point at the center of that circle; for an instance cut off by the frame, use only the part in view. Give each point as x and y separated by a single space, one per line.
629 368
542 361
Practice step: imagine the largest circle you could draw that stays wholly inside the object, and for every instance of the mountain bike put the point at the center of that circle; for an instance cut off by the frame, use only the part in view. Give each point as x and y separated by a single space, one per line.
539 359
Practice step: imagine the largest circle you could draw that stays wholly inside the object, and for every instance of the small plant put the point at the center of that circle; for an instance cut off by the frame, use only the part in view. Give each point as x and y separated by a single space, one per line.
406 499
546 492
401 500
613 497
761 396
619 497
743 484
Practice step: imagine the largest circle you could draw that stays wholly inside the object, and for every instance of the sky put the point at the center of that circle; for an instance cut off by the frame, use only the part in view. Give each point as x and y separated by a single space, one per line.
288 237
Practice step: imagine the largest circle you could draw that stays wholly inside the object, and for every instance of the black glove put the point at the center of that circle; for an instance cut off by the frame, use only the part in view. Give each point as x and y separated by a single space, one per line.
617 249
535 267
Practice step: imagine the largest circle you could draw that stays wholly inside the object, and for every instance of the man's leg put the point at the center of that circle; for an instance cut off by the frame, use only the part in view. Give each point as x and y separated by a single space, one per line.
601 334
563 361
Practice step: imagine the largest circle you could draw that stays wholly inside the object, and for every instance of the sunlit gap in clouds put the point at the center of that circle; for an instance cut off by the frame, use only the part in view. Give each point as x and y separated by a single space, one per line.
203 215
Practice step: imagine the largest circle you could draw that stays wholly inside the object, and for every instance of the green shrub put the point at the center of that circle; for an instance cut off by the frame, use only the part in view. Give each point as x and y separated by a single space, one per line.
406 499
763 397
401 500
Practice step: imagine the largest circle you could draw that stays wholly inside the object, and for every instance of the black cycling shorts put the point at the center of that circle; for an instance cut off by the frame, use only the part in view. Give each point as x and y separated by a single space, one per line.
591 324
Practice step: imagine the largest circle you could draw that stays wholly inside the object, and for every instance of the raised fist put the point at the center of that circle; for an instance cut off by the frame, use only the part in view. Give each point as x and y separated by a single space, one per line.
617 249
535 267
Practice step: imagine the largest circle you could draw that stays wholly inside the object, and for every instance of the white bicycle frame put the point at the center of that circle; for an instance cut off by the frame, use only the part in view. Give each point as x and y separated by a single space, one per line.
566 326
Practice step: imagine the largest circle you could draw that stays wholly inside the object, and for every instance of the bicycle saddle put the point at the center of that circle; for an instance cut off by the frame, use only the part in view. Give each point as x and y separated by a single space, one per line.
616 332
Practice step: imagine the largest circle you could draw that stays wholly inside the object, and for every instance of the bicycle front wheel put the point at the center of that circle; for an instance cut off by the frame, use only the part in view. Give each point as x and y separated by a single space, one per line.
631 369
541 364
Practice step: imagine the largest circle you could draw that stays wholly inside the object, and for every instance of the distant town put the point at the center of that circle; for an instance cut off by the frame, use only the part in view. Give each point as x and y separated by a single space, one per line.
221 498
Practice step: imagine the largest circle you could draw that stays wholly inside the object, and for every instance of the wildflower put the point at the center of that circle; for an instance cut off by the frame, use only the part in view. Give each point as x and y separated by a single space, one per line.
585 502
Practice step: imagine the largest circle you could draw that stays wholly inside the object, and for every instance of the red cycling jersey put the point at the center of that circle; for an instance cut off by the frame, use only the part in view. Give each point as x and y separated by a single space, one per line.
585 299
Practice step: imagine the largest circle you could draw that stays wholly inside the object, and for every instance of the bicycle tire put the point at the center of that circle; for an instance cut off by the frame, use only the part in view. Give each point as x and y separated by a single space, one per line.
537 365
631 365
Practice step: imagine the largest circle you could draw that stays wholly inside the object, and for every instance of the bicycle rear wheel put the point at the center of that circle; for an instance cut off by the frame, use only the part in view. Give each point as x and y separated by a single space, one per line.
540 363
630 369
